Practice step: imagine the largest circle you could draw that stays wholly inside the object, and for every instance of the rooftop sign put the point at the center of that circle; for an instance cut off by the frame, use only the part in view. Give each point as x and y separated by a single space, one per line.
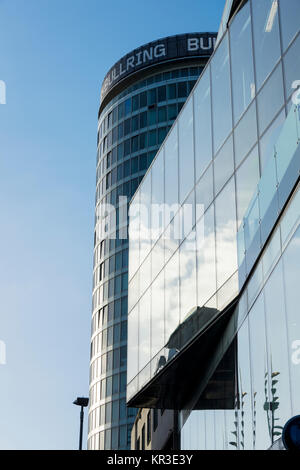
162 50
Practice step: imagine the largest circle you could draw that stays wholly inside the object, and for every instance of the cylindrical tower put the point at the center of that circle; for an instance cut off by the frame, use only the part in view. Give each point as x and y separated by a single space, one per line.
140 98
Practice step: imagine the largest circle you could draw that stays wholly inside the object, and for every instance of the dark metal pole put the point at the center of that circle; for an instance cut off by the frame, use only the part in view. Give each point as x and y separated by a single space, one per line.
81 427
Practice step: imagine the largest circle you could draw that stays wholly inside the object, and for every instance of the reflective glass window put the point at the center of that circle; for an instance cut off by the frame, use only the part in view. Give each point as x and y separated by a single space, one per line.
186 150
188 285
245 416
206 256
171 297
268 140
270 99
172 94
226 233
259 373
223 165
204 192
157 315
266 37
245 134
289 16
278 355
202 116
243 85
291 260
247 177
221 94
144 330
291 63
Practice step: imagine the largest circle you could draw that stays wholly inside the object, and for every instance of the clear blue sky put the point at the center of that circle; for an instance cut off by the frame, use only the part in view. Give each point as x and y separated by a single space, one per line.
53 57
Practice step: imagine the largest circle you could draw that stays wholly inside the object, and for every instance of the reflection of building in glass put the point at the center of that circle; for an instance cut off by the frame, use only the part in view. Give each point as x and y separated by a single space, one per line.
140 99
234 148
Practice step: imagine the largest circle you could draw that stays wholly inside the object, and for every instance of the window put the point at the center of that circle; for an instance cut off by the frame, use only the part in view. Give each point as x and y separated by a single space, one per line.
143 99
152 138
135 102
162 114
126 147
182 89
266 37
152 96
127 127
152 116
242 61
127 106
172 91
143 119
161 93
221 95
172 111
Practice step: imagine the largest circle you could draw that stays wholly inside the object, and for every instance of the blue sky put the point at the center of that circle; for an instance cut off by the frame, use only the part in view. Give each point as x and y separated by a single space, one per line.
53 57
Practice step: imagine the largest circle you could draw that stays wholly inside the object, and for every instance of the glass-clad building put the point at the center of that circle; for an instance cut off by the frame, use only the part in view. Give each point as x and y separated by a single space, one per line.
141 96
213 323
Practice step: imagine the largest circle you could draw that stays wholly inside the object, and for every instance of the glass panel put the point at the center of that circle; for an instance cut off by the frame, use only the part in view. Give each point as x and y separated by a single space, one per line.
226 233
188 287
287 143
291 63
204 192
206 264
291 218
291 260
270 99
252 233
289 15
202 116
134 242
245 420
171 297
245 134
144 330
278 402
171 163
242 61
223 165
268 140
145 201
247 177
259 373
268 200
133 349
221 96
145 274
186 150
157 314
157 217
271 253
266 37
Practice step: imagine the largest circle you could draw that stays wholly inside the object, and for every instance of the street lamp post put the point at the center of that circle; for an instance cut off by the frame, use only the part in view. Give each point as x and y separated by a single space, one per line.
82 402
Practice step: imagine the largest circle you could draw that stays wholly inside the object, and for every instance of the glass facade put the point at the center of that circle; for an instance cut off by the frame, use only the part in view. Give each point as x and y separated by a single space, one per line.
230 161
131 127
266 326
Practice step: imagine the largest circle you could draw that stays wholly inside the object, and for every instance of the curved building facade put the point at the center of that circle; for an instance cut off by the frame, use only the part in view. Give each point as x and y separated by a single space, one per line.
141 96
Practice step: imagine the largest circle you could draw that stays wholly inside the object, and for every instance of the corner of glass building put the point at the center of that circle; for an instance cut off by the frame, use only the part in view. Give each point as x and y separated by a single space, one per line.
213 323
